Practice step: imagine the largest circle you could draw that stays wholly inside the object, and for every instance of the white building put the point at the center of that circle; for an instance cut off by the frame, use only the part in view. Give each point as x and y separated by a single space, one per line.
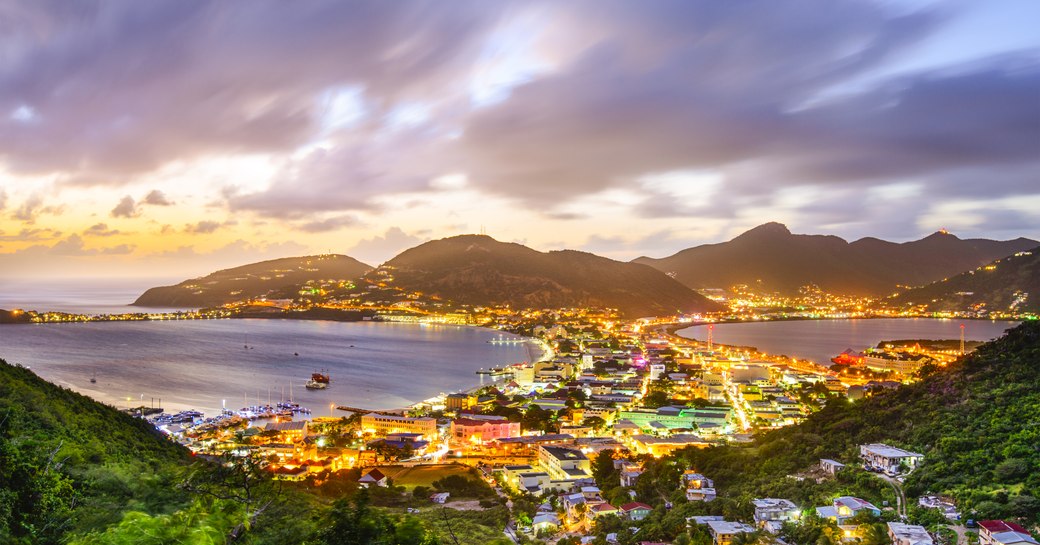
888 459
908 534
779 510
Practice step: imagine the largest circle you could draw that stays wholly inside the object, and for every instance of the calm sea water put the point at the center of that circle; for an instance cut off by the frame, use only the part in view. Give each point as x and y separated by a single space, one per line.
820 340
204 364
82 296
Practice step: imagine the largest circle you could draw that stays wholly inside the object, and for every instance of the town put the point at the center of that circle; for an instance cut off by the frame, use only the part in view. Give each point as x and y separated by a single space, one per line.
607 396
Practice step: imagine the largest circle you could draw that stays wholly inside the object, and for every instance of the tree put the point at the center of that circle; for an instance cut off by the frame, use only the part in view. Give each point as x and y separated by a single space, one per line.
874 534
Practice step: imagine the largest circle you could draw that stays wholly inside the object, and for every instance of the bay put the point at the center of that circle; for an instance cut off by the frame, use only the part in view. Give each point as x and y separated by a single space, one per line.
820 340
205 365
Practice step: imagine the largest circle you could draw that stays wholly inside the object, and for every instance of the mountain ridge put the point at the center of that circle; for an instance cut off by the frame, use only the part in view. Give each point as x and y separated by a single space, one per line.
772 258
479 270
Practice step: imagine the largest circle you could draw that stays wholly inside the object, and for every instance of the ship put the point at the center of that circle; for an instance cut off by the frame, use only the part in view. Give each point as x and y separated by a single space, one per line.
319 380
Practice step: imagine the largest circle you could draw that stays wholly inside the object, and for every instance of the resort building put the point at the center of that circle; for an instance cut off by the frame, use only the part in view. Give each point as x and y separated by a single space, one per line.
845 508
465 430
383 424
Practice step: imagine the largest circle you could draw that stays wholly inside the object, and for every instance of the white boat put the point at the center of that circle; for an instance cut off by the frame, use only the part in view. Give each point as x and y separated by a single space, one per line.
315 385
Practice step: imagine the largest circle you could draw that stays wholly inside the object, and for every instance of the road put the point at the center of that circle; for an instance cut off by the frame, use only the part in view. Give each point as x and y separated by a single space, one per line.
900 496
962 533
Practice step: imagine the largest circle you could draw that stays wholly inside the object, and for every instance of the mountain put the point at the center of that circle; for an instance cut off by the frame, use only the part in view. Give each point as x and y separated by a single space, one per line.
770 257
278 277
1011 284
479 270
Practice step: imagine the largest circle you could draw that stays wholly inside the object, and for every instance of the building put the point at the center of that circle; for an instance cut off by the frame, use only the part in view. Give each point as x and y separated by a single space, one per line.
831 466
459 402
466 430
902 363
889 459
660 446
373 477
774 510
291 431
384 424
545 523
698 487
723 532
908 534
999 532
564 464
845 508
636 510
440 497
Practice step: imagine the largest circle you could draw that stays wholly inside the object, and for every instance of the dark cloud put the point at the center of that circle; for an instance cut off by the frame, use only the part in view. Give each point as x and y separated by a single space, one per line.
156 198
127 208
112 89
677 85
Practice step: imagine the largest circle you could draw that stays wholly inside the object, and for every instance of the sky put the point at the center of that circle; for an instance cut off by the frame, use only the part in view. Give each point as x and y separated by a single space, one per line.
172 138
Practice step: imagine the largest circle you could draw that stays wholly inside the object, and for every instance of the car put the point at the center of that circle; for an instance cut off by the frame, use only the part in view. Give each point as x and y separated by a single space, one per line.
970 523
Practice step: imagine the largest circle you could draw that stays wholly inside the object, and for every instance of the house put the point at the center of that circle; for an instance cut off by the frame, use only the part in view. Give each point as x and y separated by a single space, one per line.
999 532
440 497
289 473
630 473
776 510
545 523
845 508
373 476
908 534
888 459
723 532
831 466
459 401
599 510
636 510
698 487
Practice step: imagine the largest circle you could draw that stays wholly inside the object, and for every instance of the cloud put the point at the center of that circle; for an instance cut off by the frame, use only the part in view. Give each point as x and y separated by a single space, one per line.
3 199
381 248
75 246
203 227
100 230
29 209
126 208
30 235
156 198
328 224
119 89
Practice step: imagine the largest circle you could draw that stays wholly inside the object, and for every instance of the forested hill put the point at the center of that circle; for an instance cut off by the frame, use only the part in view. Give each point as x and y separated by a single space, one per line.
1011 284
977 422
277 278
69 463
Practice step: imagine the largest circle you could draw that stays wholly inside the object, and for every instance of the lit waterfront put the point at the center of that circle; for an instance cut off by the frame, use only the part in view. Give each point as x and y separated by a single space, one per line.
820 340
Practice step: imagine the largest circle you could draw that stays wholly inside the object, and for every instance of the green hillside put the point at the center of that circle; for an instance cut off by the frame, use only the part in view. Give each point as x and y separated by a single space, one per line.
68 463
977 422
